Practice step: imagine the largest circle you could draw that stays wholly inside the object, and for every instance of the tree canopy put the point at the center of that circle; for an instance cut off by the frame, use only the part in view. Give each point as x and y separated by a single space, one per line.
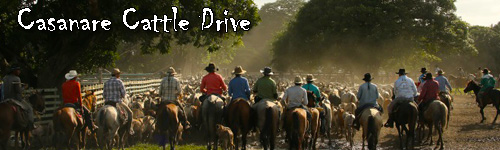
366 35
49 55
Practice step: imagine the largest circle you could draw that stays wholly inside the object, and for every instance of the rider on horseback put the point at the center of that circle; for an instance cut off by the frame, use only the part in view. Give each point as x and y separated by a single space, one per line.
404 90
265 87
12 89
71 95
296 97
430 92
443 82
170 89
114 93
238 86
368 95
212 83
487 84
312 89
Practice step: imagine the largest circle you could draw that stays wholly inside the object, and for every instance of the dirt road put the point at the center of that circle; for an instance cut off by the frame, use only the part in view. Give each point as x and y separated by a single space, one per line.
464 132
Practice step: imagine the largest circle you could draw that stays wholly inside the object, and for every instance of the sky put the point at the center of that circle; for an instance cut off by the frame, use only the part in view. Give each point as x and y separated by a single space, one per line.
475 12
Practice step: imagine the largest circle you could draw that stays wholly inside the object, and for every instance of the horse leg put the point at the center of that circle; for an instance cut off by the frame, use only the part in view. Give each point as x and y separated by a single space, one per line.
16 137
363 137
498 112
482 114
400 136
430 134
27 139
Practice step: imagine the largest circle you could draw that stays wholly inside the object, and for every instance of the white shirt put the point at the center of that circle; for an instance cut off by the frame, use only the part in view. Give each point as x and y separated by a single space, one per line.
405 87
296 96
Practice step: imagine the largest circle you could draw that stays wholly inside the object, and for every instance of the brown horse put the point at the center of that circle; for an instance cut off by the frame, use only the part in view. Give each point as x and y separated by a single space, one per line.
168 125
435 116
314 127
296 126
371 122
239 120
90 100
10 121
69 128
447 100
492 97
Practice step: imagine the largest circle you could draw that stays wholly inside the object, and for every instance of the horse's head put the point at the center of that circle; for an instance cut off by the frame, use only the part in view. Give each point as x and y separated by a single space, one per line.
471 86
37 101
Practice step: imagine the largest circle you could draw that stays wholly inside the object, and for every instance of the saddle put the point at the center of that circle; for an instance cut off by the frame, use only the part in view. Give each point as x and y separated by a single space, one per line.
78 111
19 108
123 116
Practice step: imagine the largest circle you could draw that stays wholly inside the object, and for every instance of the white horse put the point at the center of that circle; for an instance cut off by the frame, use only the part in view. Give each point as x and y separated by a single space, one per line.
212 108
110 125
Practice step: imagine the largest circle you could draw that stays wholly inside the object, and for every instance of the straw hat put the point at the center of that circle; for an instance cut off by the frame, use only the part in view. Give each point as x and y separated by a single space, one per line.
440 72
239 70
310 78
171 71
71 74
116 71
298 80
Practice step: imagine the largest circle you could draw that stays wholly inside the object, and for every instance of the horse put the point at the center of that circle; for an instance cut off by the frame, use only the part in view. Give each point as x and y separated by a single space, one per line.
405 114
371 122
447 100
267 115
10 120
296 120
326 121
239 120
111 126
435 116
492 97
212 109
168 125
69 127
314 127
350 132
90 101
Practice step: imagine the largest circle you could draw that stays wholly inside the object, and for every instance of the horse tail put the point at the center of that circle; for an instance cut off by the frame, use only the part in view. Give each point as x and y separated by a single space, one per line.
272 125
102 117
295 128
444 118
269 121
372 133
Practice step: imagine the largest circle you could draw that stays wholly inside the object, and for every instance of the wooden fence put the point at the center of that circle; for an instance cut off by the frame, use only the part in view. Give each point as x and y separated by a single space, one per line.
53 97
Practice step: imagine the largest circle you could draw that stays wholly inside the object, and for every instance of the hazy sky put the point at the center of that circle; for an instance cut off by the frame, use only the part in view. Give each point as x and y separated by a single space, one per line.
475 12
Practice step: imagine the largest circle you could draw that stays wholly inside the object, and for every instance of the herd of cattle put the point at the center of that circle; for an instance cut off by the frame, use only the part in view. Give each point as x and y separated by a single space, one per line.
337 109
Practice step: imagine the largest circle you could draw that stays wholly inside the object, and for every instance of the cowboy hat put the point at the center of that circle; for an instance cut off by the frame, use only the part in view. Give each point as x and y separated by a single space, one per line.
428 76
440 72
423 70
310 78
401 72
239 70
368 77
116 71
298 80
211 68
14 68
71 75
267 71
486 70
171 71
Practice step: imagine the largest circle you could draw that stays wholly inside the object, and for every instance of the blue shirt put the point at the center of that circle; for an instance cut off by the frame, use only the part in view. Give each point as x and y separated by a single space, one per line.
368 94
443 83
314 89
239 88
421 78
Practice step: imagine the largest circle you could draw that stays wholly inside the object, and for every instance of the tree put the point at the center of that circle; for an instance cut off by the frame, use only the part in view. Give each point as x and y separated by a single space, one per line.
255 54
47 56
360 35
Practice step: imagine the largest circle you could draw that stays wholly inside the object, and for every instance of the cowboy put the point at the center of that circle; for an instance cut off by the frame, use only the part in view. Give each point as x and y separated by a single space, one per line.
71 93
12 88
170 90
487 84
238 86
114 93
443 82
421 77
265 87
404 90
312 89
296 97
429 93
368 95
212 83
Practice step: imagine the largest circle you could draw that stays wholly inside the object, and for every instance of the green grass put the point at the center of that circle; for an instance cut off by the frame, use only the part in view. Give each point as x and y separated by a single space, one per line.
155 147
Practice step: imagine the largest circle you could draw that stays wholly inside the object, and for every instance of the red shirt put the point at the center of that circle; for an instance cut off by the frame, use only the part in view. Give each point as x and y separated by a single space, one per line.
430 91
212 83
71 92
